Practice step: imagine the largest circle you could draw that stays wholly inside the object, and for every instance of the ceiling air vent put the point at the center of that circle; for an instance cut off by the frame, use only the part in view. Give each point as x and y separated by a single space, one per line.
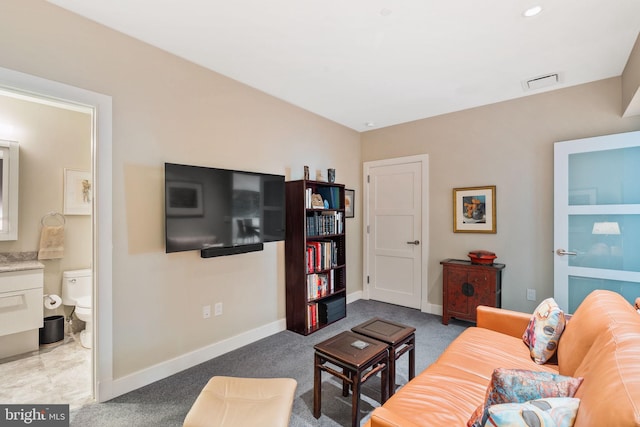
541 82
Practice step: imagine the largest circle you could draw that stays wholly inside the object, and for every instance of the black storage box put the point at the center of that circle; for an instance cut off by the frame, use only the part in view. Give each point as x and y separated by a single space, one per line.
53 330
332 309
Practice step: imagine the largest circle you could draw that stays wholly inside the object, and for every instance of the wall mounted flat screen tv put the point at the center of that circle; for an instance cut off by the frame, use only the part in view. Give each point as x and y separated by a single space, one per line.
212 210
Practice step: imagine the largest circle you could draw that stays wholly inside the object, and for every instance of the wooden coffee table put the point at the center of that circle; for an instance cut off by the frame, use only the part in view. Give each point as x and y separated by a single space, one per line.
357 364
399 337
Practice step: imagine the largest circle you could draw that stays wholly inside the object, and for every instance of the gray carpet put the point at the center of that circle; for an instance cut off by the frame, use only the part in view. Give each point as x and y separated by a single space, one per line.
285 354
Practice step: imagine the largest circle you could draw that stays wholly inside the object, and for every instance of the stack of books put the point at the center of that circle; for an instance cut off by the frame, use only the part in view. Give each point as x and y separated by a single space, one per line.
319 285
325 223
321 255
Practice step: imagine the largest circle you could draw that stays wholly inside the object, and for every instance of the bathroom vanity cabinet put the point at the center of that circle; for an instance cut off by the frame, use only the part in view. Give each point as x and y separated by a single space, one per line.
21 306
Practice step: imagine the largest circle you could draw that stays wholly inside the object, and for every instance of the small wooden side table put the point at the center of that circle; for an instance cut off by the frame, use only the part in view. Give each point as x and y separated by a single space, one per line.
358 365
400 339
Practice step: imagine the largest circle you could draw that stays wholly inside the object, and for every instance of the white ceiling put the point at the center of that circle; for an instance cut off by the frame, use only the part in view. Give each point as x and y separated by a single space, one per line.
384 62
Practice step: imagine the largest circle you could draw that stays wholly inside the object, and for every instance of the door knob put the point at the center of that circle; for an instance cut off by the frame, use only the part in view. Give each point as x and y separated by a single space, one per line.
415 242
562 252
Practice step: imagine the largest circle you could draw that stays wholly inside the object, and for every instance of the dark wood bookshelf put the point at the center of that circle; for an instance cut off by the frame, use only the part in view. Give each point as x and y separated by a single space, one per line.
304 226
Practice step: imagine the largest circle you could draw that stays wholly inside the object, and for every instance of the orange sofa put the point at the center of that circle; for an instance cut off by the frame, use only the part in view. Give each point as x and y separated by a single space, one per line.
601 343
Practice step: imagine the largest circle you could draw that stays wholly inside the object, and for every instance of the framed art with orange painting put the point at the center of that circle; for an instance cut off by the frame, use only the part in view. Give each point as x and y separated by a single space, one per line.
474 209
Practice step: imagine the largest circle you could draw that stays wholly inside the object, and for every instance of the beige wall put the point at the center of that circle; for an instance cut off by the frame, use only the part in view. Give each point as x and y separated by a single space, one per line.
51 139
510 145
167 109
631 82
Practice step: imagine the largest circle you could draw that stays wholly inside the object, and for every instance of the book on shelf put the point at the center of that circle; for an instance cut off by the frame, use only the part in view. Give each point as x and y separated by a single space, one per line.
331 222
325 223
310 258
313 249
321 255
319 285
307 198
312 315
331 282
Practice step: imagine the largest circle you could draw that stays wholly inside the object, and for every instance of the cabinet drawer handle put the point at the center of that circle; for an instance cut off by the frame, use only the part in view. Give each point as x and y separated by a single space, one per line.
467 289
13 300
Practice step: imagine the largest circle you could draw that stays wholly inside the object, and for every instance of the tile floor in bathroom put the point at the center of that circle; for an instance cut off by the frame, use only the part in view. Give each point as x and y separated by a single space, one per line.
58 374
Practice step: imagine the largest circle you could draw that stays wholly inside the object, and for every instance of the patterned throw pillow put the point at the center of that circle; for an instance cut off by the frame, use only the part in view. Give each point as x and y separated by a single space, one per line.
520 385
550 412
544 330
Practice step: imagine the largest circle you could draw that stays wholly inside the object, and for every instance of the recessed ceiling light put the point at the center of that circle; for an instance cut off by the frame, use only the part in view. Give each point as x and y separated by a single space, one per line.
532 11
385 12
370 124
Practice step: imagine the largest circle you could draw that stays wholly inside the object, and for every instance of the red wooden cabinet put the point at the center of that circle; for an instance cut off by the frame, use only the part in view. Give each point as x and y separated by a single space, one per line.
466 286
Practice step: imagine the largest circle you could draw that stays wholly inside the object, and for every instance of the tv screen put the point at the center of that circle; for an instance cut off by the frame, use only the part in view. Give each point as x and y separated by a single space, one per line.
220 208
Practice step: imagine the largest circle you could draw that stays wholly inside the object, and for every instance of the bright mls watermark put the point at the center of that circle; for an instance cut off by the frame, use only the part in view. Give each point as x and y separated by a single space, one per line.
34 415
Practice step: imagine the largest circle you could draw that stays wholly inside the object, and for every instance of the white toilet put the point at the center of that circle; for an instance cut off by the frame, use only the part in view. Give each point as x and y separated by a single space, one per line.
76 290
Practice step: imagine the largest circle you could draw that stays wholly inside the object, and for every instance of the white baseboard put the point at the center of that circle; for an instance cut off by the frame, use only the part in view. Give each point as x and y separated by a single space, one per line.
432 309
162 370
355 296
114 388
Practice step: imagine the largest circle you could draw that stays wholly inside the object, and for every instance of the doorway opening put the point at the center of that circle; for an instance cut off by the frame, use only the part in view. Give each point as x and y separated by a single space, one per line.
56 139
21 84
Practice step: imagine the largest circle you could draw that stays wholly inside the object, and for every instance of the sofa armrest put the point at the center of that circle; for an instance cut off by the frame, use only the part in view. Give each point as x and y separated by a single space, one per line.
508 322
382 417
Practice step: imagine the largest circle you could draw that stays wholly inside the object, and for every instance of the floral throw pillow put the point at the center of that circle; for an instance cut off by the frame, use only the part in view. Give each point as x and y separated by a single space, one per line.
549 412
520 385
544 330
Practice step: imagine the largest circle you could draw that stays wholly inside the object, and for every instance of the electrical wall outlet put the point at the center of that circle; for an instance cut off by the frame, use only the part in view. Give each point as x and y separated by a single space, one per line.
531 294
206 311
218 309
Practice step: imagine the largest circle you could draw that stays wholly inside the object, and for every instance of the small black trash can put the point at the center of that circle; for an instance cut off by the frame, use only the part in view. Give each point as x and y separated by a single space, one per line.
53 330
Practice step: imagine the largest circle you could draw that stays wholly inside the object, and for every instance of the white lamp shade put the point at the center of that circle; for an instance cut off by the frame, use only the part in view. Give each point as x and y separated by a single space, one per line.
605 228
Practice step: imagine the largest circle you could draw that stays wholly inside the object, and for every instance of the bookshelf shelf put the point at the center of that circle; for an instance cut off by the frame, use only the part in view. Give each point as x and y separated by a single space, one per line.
315 256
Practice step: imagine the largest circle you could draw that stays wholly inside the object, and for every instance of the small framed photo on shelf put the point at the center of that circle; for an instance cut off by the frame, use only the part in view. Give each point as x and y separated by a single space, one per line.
474 209
77 192
349 201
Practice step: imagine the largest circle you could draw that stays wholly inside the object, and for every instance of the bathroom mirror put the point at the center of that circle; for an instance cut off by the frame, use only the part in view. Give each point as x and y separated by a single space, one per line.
8 190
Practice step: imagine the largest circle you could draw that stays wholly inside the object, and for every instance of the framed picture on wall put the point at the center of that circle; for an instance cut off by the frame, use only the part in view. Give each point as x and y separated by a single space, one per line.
78 195
474 209
349 200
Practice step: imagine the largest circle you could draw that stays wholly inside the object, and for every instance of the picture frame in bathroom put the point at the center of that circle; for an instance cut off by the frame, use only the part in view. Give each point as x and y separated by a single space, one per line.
78 192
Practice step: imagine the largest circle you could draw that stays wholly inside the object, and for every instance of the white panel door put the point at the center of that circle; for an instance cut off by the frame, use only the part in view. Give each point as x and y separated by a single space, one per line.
394 231
596 217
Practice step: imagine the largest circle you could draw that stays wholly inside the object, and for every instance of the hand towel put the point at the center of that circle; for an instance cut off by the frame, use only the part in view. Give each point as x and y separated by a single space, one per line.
51 242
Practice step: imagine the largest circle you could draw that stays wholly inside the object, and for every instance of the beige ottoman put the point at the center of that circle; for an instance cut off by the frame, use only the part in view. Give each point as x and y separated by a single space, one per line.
233 402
